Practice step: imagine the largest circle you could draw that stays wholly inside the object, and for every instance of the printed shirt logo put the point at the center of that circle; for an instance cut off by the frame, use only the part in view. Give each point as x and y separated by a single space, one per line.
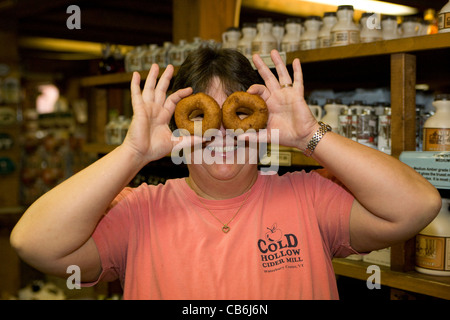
279 251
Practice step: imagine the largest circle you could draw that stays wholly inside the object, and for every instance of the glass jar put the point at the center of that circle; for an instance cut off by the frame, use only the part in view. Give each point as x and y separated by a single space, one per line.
245 43
345 31
264 41
370 28
291 40
324 36
309 39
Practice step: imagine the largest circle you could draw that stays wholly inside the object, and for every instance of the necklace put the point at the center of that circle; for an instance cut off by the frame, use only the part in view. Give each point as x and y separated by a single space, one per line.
226 227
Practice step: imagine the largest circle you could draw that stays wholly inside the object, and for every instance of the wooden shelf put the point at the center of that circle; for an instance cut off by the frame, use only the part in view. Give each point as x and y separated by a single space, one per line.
385 47
435 286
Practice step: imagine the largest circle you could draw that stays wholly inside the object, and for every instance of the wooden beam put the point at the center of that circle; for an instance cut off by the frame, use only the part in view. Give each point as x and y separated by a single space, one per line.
403 133
203 18
403 103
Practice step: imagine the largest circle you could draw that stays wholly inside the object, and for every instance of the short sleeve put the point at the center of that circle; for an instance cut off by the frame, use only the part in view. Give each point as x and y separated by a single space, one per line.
331 203
111 238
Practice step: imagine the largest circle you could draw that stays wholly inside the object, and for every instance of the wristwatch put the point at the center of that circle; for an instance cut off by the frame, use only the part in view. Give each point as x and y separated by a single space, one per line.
312 144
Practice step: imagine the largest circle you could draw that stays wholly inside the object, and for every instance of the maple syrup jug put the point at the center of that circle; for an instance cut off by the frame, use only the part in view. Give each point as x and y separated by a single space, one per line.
433 244
436 132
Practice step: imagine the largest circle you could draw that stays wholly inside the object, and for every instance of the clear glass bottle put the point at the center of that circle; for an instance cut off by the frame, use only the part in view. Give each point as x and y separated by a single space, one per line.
248 34
149 57
444 18
410 26
345 31
291 40
163 54
309 38
366 131
389 28
369 28
230 38
324 36
135 59
264 42
194 45
384 131
177 53
278 32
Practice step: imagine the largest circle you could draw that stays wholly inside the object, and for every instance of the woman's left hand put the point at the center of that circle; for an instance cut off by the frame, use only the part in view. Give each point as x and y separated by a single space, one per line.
288 110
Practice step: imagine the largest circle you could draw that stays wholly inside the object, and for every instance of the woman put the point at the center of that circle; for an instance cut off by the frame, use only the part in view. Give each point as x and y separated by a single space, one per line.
225 231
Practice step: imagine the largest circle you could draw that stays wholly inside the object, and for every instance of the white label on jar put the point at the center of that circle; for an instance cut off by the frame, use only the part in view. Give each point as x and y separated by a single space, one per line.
340 38
436 139
433 252
324 42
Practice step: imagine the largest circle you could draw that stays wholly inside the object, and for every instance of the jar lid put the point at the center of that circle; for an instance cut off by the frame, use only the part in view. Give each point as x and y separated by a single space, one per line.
313 18
388 17
367 14
293 20
248 25
345 7
329 14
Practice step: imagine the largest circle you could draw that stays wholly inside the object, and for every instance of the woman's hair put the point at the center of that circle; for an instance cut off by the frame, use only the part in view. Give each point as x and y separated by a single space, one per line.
202 65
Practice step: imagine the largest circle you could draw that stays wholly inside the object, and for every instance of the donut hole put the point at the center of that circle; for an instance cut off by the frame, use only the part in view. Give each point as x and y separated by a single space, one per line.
243 112
196 115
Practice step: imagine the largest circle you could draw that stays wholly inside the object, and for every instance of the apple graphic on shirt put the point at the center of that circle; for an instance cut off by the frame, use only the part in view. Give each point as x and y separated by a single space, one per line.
274 234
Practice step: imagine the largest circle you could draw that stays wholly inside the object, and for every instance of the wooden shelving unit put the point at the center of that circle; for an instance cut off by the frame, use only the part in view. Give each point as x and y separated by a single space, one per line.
400 57
412 281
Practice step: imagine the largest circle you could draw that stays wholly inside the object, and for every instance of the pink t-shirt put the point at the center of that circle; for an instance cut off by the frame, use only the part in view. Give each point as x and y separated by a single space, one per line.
162 243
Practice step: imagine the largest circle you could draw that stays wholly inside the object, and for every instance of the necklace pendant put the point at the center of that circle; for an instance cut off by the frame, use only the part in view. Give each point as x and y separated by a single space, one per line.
225 229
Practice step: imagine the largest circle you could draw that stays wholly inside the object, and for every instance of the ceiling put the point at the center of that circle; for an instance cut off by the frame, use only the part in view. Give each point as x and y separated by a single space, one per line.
127 22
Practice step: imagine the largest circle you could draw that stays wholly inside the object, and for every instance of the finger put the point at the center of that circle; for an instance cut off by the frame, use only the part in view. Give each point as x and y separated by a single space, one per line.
174 98
283 74
150 83
269 78
163 85
298 74
136 95
260 90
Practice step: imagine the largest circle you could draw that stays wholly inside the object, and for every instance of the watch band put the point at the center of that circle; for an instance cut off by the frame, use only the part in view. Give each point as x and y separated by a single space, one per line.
312 144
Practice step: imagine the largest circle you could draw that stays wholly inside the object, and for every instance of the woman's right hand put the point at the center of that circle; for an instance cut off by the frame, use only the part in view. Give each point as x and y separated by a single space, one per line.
149 135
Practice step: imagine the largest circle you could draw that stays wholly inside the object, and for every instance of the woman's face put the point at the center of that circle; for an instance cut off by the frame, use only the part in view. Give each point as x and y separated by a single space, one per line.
222 156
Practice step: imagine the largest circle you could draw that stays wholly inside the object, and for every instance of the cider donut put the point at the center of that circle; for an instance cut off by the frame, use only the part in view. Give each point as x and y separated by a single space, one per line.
242 102
195 105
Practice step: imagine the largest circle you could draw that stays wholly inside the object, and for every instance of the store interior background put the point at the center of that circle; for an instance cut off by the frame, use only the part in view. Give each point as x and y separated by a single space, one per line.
44 54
